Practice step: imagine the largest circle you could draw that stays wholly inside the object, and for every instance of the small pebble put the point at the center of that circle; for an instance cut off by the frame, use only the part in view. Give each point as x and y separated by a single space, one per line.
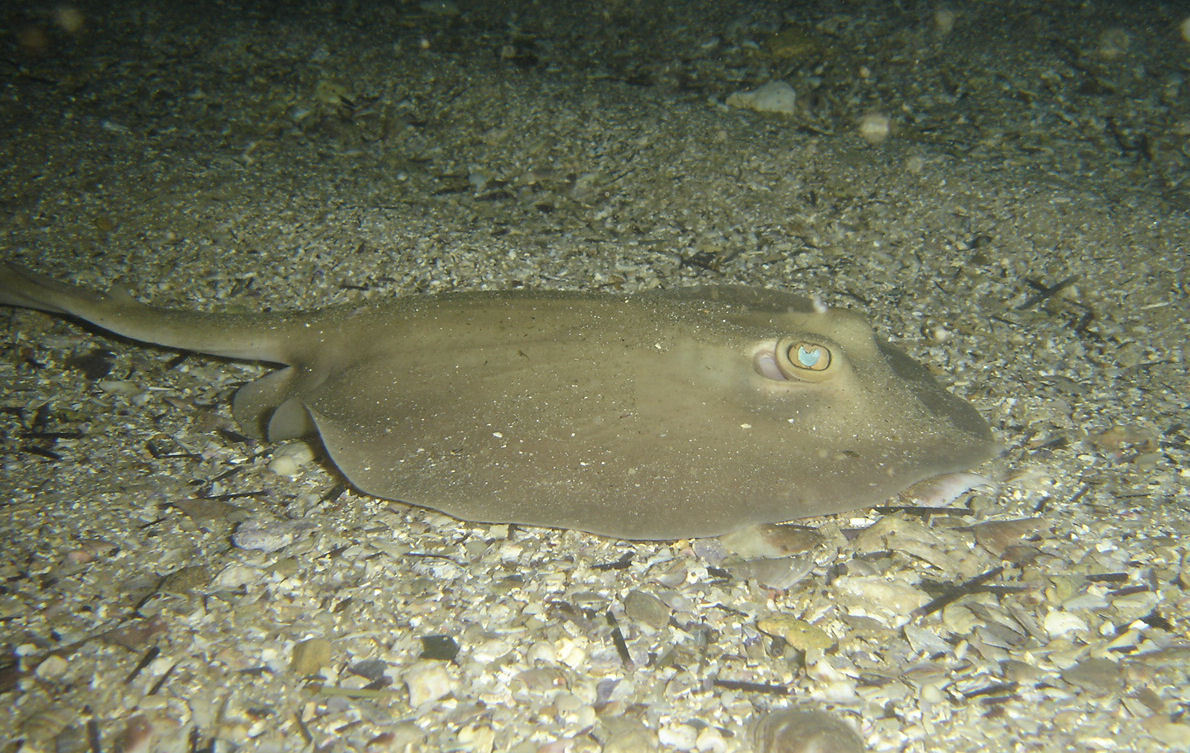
121 388
52 667
369 669
439 647
799 634
427 681
646 608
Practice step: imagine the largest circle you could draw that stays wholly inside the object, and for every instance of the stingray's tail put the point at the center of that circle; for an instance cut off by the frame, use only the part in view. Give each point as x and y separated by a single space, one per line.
261 338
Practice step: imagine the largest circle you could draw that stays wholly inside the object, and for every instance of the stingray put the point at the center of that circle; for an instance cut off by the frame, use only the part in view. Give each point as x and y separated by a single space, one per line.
660 415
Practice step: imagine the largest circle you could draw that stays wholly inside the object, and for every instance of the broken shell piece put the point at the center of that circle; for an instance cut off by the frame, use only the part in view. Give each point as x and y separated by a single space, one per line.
998 535
289 459
793 731
941 490
781 573
772 540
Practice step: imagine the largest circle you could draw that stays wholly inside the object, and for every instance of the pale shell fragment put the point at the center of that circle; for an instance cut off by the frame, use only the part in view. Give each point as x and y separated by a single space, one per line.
775 96
792 731
890 601
1058 622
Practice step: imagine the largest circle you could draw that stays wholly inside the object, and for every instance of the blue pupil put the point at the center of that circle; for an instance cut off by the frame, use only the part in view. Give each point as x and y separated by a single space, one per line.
807 357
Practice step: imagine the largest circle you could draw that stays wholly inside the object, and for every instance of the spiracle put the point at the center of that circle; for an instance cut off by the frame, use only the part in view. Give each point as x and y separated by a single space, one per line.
803 731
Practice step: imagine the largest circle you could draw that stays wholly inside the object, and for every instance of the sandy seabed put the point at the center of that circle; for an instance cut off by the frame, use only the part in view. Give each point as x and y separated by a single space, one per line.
1021 228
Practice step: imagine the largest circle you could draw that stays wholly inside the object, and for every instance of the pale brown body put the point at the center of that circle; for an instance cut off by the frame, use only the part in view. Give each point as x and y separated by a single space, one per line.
660 415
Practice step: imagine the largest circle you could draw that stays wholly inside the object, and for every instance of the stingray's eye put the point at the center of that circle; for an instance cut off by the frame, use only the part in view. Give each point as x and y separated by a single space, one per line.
809 356
804 360
795 360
